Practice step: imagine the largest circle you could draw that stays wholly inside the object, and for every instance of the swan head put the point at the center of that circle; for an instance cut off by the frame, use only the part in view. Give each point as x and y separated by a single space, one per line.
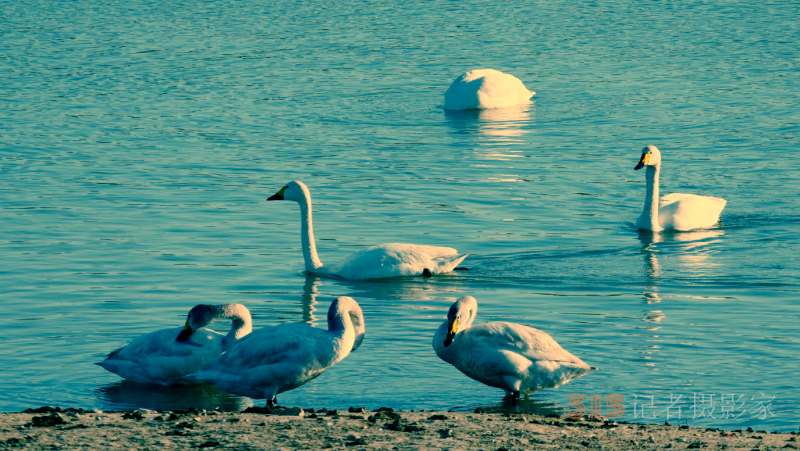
199 316
296 191
460 317
650 157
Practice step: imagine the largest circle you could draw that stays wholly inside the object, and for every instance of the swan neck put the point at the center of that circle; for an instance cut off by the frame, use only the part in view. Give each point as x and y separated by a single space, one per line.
339 317
346 323
241 323
307 236
649 218
472 313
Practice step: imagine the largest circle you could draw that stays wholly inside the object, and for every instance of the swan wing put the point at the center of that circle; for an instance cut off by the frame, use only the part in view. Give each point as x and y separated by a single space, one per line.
397 259
527 342
269 361
679 211
265 347
157 357
513 357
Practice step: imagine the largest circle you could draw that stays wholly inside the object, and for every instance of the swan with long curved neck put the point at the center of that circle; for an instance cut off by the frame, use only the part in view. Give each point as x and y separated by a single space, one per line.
166 355
514 357
383 260
674 211
279 358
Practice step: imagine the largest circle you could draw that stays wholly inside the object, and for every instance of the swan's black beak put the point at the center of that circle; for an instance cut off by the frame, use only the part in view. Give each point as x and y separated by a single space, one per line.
642 161
186 332
278 195
452 328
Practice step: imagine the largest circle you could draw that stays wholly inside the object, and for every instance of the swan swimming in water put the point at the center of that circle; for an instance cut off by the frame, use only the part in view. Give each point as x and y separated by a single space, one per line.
383 260
674 211
166 355
276 359
516 358
486 88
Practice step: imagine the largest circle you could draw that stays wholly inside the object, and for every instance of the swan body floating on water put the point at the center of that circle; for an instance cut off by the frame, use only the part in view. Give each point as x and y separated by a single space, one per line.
279 358
383 260
166 355
485 88
514 357
674 211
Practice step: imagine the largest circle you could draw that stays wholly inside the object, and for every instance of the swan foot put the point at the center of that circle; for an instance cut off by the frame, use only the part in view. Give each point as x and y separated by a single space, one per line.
426 273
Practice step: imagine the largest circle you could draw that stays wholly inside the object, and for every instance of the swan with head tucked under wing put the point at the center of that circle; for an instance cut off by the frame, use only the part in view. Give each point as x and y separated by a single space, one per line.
166 355
514 357
674 211
376 262
276 359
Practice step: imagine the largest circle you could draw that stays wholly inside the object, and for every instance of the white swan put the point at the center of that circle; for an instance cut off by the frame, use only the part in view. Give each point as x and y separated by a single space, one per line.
485 88
383 260
166 355
516 358
279 358
675 211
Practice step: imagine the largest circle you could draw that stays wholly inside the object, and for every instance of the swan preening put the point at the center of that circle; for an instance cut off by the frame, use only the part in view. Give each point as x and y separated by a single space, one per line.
383 260
279 358
166 355
674 211
485 88
514 357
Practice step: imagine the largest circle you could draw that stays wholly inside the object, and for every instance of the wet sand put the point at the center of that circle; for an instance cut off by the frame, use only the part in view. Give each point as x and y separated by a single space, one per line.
357 429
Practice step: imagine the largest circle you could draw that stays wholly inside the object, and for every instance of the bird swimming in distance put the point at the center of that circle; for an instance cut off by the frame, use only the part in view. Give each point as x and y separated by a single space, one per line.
279 358
165 356
674 211
513 357
376 262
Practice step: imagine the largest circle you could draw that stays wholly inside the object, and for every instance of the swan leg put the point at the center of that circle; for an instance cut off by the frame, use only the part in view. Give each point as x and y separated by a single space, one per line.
515 396
514 384
270 393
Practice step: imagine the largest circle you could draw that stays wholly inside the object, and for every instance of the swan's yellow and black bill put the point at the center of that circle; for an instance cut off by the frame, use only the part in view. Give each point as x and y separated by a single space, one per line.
186 332
643 161
278 195
452 328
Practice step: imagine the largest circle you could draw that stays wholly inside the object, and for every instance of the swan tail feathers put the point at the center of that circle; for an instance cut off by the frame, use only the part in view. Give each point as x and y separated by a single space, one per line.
130 371
448 264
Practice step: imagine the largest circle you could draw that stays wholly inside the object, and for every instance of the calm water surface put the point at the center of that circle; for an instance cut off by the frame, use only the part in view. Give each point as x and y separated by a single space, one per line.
140 141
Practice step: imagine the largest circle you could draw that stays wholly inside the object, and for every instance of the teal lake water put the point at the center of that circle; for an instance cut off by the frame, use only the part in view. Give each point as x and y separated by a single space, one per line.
140 140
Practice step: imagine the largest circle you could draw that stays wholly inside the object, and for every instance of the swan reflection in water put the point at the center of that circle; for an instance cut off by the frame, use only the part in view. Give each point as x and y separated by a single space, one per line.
498 126
692 252
309 299
526 405
135 395
692 249
652 271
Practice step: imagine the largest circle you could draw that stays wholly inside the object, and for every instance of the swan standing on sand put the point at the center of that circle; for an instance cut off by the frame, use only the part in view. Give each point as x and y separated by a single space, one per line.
383 260
279 358
166 355
675 211
516 358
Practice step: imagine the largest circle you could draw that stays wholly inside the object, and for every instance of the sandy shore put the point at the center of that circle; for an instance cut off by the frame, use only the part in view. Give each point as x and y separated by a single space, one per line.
358 429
